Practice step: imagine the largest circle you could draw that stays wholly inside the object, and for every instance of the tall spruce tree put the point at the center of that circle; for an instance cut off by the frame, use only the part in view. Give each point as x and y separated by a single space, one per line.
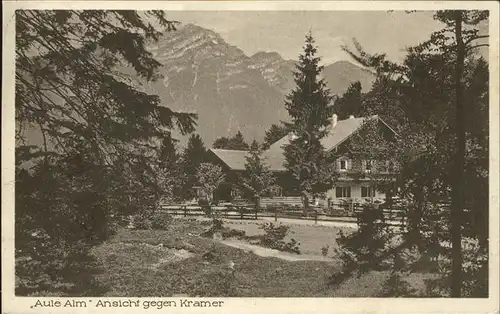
309 108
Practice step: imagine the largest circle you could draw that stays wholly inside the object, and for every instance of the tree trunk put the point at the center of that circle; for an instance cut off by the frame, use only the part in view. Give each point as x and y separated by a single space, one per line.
457 199
257 202
305 201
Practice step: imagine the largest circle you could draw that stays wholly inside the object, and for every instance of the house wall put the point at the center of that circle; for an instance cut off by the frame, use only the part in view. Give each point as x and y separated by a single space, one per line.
355 192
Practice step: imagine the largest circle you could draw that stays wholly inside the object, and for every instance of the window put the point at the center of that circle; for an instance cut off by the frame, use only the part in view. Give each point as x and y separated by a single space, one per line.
368 165
343 191
343 164
383 166
367 191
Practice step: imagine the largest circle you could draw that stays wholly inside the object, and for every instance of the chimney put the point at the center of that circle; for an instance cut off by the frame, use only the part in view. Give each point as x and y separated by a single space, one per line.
351 117
334 120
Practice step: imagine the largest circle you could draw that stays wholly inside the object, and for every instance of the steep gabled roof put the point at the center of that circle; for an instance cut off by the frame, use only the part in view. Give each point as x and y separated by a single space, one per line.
336 135
235 159
274 156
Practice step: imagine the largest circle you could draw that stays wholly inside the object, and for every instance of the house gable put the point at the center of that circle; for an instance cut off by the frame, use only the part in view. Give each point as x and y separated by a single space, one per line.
337 139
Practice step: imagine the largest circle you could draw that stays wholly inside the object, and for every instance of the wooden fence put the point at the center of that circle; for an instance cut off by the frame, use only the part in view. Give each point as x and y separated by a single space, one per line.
248 212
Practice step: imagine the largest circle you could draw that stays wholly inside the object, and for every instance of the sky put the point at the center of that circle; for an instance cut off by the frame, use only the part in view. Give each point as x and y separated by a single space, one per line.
284 31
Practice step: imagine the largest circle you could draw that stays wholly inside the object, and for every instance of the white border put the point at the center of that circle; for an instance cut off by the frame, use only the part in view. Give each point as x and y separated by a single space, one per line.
12 304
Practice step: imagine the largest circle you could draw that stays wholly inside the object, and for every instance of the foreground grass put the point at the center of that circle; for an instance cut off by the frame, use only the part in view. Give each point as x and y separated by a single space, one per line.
164 263
130 261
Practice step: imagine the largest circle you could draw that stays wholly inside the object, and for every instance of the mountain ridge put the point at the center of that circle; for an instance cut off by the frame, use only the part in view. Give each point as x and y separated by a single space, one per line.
230 90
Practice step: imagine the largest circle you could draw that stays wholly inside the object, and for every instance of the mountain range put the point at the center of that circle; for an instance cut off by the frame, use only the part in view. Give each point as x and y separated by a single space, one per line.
228 89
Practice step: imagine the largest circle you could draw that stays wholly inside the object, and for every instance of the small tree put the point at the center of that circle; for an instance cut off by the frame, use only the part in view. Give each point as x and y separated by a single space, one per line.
169 175
209 177
236 142
258 180
192 157
221 143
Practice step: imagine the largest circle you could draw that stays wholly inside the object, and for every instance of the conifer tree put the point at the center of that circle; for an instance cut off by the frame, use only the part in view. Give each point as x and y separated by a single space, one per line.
98 155
309 108
258 180
440 151
170 175
236 142
274 133
193 155
350 103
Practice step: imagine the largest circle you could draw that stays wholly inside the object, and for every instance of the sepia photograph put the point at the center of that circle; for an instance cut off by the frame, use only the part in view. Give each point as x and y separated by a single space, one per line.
196 154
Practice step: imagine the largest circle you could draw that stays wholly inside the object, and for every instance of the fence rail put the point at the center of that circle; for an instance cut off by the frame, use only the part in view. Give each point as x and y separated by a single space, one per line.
248 212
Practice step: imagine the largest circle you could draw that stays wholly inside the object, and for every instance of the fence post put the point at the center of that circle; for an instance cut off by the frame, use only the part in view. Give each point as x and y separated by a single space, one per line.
276 215
241 213
315 217
185 211
256 213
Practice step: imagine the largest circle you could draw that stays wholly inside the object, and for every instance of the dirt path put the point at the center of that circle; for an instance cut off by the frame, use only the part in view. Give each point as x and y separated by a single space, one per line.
266 252
346 224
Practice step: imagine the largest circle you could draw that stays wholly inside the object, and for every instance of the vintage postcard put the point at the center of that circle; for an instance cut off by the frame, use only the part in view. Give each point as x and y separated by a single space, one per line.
250 156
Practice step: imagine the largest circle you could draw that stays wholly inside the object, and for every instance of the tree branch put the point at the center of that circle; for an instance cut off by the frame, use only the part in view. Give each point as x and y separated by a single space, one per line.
468 41
477 46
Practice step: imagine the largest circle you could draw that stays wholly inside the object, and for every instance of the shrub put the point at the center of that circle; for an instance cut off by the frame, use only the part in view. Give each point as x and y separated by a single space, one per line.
474 267
142 220
161 221
324 250
147 220
395 287
365 248
217 225
274 238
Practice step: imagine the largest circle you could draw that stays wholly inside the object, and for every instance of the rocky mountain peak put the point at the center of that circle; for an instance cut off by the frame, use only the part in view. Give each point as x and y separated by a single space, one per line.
229 90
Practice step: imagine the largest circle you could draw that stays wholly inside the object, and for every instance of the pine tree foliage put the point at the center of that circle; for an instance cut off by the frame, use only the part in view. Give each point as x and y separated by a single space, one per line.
237 142
426 98
170 172
258 180
274 133
310 110
194 154
99 158
350 103
68 82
